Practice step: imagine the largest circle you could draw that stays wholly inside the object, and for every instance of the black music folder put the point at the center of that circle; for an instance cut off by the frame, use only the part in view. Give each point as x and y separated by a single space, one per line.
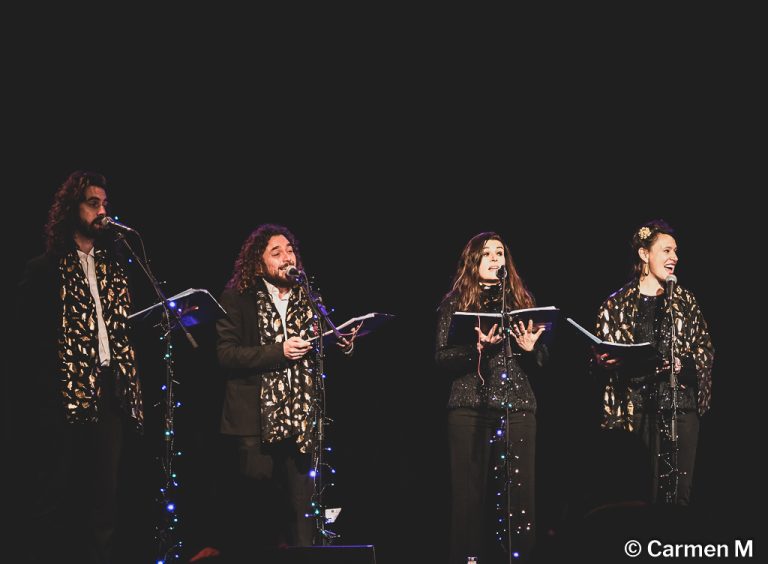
463 324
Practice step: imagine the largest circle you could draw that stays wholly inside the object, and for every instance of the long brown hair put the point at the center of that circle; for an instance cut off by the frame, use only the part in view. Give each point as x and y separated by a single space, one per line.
64 214
466 282
249 264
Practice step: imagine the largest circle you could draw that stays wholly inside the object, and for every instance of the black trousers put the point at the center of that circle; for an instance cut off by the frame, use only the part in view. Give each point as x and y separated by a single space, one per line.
474 516
73 482
266 497
648 425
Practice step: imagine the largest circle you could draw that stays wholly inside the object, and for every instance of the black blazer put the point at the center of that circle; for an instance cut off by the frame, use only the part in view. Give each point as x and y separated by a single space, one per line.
243 359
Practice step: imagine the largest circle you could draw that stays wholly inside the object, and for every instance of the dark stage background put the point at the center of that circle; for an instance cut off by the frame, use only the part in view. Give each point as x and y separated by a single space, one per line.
380 236
384 170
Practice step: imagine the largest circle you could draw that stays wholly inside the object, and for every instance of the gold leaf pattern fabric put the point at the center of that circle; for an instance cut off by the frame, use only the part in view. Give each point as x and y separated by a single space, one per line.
78 339
288 405
616 323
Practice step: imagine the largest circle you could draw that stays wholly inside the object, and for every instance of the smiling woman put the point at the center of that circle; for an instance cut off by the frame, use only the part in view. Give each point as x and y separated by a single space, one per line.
644 397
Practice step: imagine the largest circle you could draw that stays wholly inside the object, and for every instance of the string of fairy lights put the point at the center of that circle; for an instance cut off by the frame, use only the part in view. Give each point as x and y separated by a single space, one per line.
169 544
319 468
506 474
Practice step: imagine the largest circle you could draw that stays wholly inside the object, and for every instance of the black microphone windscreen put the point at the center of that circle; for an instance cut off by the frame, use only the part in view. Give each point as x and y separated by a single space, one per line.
671 281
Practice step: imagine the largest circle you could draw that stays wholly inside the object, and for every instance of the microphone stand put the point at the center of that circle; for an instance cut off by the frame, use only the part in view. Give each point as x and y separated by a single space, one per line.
156 285
165 536
505 331
673 384
319 412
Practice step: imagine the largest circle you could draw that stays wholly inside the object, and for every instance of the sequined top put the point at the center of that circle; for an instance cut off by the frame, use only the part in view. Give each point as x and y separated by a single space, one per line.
460 361
648 390
629 317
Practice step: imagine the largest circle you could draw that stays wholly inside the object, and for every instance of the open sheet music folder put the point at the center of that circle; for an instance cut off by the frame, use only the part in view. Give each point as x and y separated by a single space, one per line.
463 323
627 352
368 323
194 306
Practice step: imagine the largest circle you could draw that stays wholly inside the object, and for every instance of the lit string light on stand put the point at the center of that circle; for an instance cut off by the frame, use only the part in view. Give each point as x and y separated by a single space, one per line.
319 420
511 523
166 532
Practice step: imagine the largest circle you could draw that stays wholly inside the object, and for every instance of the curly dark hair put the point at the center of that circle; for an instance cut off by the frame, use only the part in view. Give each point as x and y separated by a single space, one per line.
63 216
466 283
644 237
249 265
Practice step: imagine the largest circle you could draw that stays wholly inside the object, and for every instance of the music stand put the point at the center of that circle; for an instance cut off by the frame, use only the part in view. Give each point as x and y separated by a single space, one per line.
331 335
191 307
195 306
367 323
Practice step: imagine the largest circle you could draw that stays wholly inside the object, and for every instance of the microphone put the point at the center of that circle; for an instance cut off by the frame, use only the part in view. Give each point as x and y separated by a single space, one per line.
295 273
670 280
501 273
109 223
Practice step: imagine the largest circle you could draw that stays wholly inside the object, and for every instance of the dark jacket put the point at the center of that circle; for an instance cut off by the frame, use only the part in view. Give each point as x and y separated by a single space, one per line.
58 368
693 346
460 361
244 360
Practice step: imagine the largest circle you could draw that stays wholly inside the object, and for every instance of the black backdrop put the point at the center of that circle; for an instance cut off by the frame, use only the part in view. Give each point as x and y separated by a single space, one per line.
391 245
383 182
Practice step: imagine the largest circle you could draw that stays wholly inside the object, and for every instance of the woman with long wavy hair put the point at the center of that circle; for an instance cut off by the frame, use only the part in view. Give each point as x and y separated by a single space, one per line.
490 394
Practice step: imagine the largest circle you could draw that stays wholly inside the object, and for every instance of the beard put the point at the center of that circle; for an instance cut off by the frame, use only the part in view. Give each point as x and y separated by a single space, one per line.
280 281
91 230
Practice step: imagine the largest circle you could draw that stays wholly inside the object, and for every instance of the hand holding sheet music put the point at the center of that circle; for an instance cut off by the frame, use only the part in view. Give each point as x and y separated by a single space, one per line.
492 337
612 355
541 317
464 323
526 335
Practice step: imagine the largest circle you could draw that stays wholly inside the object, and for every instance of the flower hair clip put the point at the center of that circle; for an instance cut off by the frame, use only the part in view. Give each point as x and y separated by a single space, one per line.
644 233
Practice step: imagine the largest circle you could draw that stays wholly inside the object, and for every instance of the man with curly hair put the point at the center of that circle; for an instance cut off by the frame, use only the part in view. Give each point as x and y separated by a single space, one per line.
80 369
272 391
